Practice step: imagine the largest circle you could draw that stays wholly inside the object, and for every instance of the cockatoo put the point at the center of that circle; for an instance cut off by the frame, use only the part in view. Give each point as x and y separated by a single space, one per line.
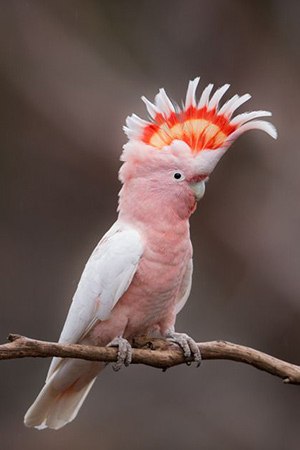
139 276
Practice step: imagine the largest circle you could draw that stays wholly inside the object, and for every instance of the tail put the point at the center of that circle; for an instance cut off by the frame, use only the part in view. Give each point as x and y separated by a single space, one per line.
62 396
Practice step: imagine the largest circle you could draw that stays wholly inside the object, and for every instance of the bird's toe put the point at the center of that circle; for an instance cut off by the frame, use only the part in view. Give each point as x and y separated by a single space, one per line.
124 352
188 346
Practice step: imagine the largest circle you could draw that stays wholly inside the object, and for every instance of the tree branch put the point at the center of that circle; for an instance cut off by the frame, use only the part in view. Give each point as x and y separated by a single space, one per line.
152 352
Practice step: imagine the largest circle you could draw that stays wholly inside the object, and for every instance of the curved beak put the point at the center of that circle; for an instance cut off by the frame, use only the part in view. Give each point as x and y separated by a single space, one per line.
198 188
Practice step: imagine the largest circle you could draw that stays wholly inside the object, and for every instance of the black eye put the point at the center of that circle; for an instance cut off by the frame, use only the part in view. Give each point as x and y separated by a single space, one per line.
177 175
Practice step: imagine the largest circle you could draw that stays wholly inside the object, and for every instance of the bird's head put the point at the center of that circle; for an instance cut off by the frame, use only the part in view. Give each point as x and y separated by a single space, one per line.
174 152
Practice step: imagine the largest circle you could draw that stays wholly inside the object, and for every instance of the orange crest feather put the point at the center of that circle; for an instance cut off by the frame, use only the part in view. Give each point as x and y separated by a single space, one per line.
201 125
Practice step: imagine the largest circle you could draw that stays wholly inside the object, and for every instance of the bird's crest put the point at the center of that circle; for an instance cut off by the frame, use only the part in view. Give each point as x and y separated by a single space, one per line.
203 125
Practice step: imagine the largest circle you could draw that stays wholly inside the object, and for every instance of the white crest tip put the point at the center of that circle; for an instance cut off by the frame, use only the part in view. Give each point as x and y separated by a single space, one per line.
190 99
152 109
214 101
246 116
163 102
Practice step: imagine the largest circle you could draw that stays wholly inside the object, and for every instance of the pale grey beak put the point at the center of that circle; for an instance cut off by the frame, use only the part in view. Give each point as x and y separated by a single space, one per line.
198 189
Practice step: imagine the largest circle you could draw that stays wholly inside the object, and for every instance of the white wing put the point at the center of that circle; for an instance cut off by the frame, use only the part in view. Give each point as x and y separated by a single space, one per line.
185 287
106 276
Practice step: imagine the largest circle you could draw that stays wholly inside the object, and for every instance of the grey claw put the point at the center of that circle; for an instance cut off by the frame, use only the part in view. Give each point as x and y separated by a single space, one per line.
188 345
124 352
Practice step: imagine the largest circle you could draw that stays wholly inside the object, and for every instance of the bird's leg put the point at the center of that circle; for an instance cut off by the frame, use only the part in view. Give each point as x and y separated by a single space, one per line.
124 352
188 345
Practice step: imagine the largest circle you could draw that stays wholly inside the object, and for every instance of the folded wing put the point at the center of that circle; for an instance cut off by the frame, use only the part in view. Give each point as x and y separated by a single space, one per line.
106 277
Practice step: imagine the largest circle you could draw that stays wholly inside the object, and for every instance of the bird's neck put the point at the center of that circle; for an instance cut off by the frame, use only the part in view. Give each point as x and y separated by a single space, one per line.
154 211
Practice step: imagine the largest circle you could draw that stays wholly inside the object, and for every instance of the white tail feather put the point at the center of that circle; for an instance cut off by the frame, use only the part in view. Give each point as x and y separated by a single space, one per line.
62 396
53 410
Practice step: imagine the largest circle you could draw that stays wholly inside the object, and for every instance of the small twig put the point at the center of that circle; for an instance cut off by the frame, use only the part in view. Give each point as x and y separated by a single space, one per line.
152 352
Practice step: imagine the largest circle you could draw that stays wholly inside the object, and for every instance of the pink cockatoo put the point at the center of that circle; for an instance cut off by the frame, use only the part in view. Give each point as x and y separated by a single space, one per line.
139 276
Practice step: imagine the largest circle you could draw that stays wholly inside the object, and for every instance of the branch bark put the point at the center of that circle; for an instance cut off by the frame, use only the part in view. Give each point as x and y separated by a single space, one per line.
152 352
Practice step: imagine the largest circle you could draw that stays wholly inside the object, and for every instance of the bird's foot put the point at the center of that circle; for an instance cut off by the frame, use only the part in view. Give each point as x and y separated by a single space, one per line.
188 345
124 352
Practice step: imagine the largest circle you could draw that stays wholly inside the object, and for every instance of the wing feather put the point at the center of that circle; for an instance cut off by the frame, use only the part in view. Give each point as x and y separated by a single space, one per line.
105 278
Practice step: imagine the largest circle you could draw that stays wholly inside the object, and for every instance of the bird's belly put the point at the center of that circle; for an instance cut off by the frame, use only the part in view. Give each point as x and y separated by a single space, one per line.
152 295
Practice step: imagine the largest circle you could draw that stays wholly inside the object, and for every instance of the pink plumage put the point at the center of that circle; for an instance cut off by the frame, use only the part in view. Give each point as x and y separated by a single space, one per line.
139 276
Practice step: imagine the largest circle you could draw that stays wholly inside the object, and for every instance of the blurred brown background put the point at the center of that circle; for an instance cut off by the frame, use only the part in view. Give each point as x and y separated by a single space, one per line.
70 73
